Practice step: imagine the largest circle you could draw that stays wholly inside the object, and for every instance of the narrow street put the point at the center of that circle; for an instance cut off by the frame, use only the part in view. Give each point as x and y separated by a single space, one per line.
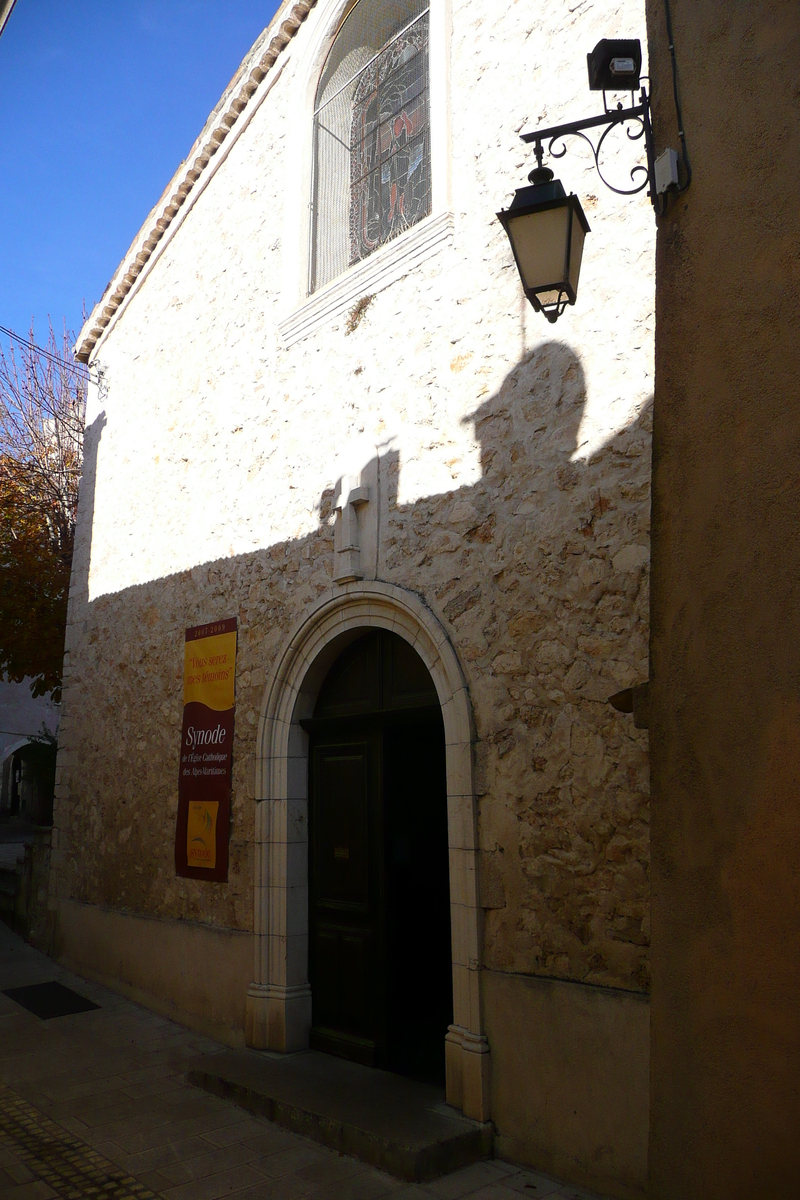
96 1104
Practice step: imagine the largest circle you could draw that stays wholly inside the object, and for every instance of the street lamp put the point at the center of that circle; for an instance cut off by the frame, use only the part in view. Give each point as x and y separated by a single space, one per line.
545 226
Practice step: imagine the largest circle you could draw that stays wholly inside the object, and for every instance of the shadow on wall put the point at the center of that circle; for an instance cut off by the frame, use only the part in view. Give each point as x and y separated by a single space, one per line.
83 533
538 572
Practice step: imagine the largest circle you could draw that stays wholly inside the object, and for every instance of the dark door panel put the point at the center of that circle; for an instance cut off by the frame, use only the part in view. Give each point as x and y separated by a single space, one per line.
342 825
345 896
342 997
419 987
379 915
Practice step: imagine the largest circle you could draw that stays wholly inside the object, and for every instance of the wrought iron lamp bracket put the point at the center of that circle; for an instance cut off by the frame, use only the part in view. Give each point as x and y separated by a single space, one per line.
639 117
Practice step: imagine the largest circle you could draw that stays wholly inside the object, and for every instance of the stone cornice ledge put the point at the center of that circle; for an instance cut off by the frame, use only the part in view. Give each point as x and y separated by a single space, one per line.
237 96
377 272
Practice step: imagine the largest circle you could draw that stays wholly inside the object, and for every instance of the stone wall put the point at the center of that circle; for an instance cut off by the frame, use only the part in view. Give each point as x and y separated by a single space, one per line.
512 467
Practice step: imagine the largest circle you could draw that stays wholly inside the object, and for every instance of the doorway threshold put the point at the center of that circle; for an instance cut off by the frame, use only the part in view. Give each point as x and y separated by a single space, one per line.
396 1124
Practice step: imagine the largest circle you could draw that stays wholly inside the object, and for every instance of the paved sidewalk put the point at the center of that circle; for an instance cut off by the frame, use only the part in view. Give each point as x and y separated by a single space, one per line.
96 1104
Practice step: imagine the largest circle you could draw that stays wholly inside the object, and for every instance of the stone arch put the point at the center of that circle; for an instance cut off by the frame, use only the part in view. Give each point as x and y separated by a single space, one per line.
279 999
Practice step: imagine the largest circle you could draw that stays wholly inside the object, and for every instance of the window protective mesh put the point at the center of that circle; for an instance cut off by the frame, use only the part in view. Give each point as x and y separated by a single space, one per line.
372 157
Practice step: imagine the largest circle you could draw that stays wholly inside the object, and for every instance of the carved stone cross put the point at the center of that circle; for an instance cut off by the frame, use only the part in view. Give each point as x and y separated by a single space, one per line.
350 496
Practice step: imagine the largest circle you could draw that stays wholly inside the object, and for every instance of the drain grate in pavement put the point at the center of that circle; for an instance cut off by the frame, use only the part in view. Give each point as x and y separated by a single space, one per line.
71 1168
46 1000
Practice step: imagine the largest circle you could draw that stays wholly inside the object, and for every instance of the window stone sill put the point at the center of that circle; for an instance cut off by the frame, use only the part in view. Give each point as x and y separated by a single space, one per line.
380 270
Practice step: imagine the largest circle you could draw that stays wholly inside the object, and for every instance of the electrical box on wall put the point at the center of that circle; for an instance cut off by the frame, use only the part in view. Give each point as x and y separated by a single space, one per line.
666 172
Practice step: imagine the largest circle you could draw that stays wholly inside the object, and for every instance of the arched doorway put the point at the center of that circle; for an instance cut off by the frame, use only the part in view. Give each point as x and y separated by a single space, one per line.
380 964
278 1015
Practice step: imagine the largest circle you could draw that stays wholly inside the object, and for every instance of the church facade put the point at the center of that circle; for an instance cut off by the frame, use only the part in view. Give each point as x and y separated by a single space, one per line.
324 414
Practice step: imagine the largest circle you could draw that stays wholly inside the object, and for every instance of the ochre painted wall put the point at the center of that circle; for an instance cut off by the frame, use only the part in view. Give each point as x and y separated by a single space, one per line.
725 702
194 973
570 1079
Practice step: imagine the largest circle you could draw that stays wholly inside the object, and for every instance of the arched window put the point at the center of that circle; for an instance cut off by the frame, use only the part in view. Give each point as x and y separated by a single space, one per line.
372 154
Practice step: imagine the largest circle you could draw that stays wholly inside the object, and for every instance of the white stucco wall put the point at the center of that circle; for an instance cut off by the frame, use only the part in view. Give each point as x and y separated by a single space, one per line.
202 397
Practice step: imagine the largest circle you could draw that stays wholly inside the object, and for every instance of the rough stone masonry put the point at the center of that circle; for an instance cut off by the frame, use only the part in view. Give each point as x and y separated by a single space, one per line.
513 474
512 463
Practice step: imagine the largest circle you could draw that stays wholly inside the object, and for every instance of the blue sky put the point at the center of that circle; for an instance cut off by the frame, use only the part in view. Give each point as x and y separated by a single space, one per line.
99 102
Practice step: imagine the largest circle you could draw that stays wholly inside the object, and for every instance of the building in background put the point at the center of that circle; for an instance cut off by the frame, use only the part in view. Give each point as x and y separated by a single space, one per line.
28 733
23 718
326 411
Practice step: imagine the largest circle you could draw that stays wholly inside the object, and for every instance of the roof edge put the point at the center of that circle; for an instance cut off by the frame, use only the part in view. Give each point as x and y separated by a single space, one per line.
5 12
254 68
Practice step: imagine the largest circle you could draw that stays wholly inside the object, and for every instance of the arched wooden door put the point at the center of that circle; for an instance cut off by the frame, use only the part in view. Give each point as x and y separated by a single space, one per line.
379 919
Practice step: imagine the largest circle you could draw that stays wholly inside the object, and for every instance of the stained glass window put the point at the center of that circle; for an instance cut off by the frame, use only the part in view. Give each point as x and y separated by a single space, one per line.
372 160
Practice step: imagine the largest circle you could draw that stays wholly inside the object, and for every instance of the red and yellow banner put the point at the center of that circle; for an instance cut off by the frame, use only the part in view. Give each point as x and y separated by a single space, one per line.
204 782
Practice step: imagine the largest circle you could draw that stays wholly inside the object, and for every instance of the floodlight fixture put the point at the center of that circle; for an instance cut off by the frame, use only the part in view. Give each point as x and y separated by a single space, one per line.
615 65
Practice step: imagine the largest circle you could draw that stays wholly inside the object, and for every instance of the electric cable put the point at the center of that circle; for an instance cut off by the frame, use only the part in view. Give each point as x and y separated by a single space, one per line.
681 134
19 733
78 368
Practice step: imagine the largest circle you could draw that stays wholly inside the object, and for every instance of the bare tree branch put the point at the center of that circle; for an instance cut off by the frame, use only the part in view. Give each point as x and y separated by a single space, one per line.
42 416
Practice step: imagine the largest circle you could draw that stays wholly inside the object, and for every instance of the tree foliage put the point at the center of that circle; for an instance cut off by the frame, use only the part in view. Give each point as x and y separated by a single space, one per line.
42 414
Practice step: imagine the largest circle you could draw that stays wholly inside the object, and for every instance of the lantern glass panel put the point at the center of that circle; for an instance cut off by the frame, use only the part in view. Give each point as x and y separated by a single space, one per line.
555 296
540 243
576 252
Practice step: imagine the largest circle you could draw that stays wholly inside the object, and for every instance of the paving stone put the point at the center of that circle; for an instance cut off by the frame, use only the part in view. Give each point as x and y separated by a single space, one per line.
272 1140
38 1190
155 1181
222 1184
186 1102
143 1074
132 1141
295 1158
62 1162
162 1156
209 1163
74 1126
79 1091
14 1173
497 1191
331 1169
252 1130
568 1192
94 1115
7 1159
162 1089
532 1184
468 1180
288 1187
168 1140
369 1185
